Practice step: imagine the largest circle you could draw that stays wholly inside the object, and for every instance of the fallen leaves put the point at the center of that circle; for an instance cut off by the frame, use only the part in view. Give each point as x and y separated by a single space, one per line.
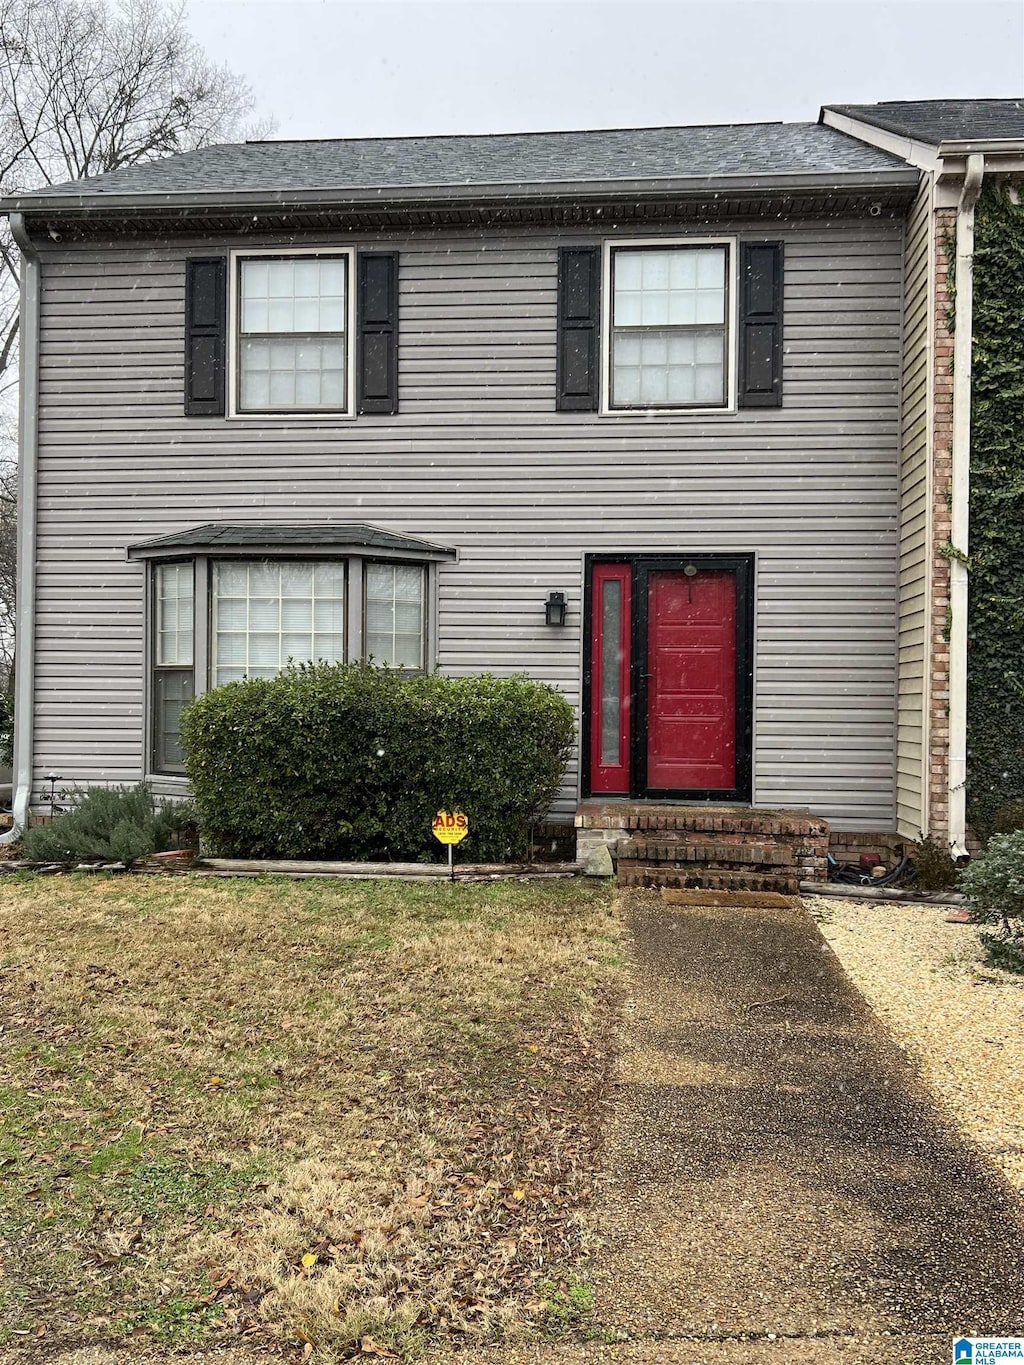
368 1347
428 1112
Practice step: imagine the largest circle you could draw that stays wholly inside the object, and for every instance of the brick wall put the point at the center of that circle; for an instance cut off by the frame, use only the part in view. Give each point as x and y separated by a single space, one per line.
942 466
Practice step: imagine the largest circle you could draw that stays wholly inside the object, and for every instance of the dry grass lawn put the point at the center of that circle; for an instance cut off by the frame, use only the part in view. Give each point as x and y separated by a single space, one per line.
359 1116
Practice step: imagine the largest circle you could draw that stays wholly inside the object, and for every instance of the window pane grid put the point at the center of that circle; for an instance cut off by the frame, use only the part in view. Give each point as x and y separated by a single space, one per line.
265 614
292 322
669 327
293 295
173 689
174 614
669 368
394 615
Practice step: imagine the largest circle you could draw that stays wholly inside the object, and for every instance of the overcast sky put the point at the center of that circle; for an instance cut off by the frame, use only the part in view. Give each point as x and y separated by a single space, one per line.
359 68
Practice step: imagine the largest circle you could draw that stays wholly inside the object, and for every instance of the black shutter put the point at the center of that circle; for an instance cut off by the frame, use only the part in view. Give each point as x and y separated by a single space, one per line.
377 332
206 323
760 384
579 302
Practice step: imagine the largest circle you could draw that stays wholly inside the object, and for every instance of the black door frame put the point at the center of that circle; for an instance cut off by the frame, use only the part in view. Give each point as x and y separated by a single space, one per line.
641 566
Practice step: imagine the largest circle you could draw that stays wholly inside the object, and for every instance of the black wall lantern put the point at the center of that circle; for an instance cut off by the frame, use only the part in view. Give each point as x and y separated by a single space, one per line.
554 609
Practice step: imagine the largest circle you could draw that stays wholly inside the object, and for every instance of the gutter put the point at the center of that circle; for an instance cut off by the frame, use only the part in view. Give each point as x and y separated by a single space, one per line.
439 196
992 146
28 446
960 504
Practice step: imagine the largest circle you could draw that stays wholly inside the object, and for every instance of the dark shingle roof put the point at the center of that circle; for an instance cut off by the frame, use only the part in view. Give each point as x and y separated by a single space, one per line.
275 536
937 121
506 159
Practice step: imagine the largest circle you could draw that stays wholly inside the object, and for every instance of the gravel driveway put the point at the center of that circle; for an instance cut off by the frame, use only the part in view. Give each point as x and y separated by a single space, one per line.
960 1020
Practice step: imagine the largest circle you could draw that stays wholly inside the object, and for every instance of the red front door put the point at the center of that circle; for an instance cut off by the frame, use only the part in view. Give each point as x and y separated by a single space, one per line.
691 680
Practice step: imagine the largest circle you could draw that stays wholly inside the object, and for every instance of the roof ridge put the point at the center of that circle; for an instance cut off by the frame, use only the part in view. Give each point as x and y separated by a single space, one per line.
523 132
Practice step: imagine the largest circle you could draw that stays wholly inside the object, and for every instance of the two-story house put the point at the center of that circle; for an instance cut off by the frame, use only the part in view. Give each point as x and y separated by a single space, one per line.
620 409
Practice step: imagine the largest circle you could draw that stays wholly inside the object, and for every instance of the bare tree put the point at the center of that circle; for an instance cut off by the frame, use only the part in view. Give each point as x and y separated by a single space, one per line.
87 86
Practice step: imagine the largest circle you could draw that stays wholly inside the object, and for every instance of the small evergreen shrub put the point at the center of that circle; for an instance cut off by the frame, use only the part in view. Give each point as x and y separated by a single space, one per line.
934 866
115 824
993 887
348 761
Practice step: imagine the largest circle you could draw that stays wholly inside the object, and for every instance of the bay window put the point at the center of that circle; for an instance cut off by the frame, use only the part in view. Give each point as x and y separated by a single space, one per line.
240 602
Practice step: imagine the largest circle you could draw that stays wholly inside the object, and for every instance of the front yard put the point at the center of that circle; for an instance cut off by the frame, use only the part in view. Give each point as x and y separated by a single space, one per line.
352 1116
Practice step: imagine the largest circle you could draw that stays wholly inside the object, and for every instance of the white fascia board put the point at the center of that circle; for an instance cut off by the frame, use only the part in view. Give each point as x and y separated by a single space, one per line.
920 154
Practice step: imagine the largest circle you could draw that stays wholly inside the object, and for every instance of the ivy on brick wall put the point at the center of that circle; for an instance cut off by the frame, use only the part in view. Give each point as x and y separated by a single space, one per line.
995 695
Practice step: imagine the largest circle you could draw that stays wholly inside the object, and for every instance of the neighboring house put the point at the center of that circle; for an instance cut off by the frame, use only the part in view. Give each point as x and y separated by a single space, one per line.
957 145
621 409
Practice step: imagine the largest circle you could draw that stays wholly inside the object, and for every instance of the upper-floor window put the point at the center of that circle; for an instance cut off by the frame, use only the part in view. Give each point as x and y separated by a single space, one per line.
667 326
292 324
669 332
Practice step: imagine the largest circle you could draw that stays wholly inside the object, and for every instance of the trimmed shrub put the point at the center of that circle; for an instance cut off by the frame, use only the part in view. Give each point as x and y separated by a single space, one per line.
348 761
115 824
993 887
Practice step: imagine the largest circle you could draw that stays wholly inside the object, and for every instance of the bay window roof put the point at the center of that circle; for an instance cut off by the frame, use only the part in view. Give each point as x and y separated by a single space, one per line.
337 538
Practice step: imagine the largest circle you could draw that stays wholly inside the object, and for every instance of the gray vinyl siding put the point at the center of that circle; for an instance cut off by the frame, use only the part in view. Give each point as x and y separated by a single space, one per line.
915 494
478 459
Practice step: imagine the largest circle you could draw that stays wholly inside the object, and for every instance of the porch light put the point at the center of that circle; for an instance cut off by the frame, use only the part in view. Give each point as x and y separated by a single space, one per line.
554 609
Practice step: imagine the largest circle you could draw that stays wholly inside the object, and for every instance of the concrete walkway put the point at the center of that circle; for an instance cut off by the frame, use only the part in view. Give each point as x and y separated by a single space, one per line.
776 1167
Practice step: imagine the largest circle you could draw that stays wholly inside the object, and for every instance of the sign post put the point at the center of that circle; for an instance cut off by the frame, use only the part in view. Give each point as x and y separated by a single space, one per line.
450 827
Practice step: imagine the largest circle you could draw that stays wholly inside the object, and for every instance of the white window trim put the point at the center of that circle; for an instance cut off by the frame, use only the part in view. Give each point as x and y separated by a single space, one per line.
320 415
648 414
202 625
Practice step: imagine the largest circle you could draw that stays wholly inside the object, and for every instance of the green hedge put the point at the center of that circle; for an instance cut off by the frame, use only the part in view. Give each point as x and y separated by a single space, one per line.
350 761
995 676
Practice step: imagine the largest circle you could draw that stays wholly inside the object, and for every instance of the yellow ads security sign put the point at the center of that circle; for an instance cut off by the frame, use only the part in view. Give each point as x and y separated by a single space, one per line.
450 827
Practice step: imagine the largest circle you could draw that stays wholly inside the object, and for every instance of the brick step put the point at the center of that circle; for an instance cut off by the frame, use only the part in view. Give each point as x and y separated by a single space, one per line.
714 847
729 821
696 877
706 837
662 849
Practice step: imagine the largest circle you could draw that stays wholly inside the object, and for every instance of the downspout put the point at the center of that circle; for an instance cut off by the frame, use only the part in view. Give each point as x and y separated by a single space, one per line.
960 504
28 445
